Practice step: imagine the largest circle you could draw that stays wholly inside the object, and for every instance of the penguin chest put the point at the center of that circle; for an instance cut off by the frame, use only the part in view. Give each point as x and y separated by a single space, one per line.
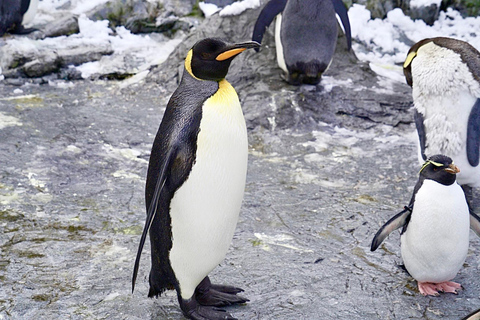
444 92
435 243
278 44
204 210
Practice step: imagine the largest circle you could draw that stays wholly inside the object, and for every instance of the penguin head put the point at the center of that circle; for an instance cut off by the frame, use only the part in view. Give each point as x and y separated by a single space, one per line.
441 59
412 53
210 58
440 168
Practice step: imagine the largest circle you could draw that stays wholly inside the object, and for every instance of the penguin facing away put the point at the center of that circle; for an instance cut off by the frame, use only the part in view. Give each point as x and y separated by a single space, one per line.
435 228
305 35
195 183
16 13
444 74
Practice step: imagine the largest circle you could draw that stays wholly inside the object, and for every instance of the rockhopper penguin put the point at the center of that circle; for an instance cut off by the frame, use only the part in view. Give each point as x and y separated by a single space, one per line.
195 183
305 35
444 74
435 228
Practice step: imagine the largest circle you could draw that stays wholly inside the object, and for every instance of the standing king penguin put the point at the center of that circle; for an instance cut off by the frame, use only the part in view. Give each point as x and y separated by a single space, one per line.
16 13
444 74
436 223
195 183
305 35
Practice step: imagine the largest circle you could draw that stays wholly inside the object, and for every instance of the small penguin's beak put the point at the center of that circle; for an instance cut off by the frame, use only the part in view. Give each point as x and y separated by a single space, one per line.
234 49
453 169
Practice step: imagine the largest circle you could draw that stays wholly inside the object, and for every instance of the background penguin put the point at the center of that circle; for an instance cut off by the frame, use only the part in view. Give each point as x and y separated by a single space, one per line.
16 13
445 77
305 35
435 237
195 183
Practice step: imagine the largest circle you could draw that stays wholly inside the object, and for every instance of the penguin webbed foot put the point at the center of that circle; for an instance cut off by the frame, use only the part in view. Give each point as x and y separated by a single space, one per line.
433 289
209 294
195 311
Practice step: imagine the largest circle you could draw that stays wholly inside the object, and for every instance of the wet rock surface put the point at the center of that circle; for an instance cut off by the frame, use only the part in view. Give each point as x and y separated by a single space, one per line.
328 165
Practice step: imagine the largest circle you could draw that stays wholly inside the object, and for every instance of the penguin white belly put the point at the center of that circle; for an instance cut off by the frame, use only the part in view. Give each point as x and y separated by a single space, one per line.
278 44
435 244
204 210
445 121
31 11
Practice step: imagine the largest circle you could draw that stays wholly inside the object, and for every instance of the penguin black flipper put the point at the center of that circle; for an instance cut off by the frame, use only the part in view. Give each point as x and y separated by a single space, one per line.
266 16
152 210
475 223
399 220
475 315
473 135
342 12
422 136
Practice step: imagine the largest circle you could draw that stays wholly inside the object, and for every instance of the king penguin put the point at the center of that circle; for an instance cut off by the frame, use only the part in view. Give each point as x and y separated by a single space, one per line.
444 74
436 223
195 183
305 35
16 13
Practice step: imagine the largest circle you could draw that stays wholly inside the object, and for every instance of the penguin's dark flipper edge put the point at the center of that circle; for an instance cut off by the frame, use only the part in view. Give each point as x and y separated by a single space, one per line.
152 210
398 221
422 136
208 294
473 135
266 16
195 311
475 223
342 12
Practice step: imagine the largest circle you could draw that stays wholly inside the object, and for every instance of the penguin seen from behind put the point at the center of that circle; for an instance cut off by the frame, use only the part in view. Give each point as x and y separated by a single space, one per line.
195 183
16 13
435 228
305 35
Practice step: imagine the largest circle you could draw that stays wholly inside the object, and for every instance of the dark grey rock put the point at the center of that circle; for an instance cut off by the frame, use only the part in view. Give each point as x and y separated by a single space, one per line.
46 59
429 14
65 26
259 82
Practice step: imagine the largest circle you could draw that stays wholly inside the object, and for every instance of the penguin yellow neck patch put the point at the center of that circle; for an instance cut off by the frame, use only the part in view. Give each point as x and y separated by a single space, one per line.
409 59
188 64
228 54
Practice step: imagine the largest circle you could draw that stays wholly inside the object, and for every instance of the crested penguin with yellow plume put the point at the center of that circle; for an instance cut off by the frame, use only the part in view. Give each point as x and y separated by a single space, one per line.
195 183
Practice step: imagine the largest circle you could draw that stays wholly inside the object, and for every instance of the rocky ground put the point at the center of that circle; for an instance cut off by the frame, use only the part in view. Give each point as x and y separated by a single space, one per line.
328 165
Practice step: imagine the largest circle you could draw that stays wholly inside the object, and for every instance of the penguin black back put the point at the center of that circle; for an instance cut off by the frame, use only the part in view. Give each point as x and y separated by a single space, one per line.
182 145
11 16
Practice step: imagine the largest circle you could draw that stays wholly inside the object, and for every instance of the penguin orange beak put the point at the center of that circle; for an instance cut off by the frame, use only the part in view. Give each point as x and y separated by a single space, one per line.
233 50
453 169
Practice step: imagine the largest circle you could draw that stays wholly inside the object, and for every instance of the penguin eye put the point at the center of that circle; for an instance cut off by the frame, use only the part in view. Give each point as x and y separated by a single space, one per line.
205 55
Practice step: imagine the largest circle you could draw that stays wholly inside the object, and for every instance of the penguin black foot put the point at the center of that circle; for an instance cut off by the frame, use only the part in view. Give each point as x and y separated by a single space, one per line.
21 30
209 294
195 311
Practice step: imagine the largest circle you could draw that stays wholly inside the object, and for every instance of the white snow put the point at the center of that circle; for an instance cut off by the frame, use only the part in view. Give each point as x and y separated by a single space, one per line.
385 43
208 9
233 9
238 7
424 3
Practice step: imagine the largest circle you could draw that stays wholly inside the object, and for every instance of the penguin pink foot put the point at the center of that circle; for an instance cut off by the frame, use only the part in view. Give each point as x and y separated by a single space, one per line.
432 289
